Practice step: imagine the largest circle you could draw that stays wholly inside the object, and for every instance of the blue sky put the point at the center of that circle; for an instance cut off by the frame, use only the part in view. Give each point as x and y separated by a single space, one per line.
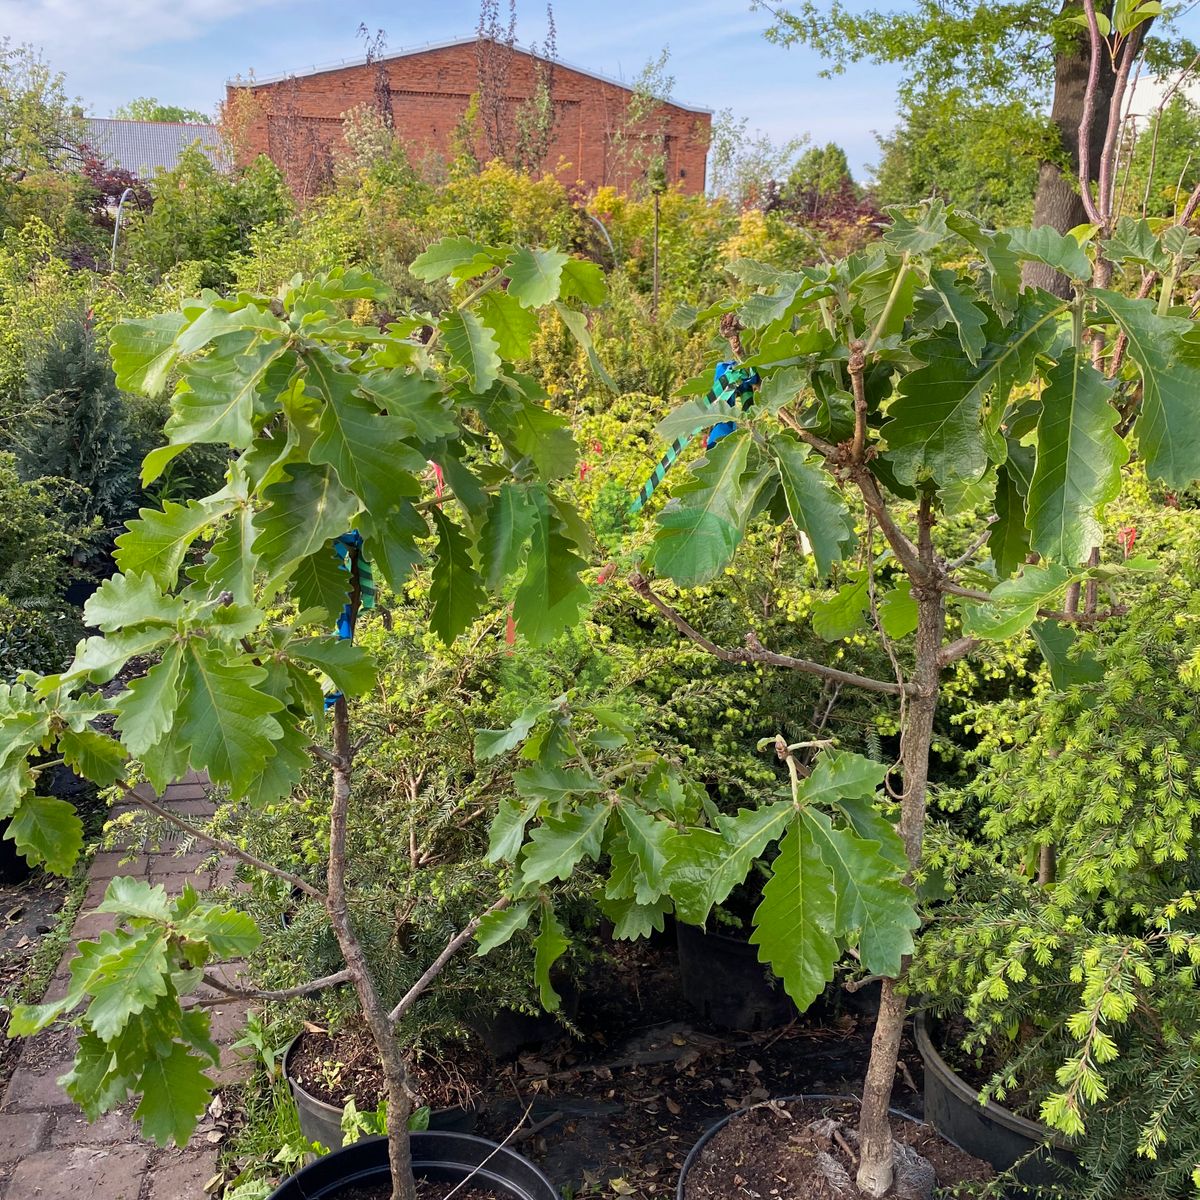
182 51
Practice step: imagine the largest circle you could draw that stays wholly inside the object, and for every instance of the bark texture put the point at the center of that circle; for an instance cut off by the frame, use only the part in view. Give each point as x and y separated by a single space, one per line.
875 1132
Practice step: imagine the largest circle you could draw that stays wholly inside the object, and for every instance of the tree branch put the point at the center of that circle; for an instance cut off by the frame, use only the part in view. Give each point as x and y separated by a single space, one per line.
453 946
231 994
1050 614
1089 114
755 652
951 652
977 544
221 844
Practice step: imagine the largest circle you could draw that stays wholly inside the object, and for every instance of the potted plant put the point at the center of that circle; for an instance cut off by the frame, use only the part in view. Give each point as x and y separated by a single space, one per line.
1072 991
911 380
332 423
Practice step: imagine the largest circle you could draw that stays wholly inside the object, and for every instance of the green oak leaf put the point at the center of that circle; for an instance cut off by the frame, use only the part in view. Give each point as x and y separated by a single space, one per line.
229 933
1008 541
418 403
135 898
491 743
214 401
557 846
472 346
130 975
447 256
303 512
93 755
363 446
146 712
550 595
175 1093
815 504
535 276
1015 602
1079 460
505 535
130 599
898 610
319 581
633 921
225 717
845 611
231 564
548 947
143 352
1168 425
794 924
584 281
47 831
871 903
576 324
1058 250
456 591
967 317
513 326
390 541
507 834
838 775
497 928
917 236
647 839
350 667
157 542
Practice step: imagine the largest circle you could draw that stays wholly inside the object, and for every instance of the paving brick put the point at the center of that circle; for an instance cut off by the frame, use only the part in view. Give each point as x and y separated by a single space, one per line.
80 1173
182 1174
22 1133
195 777
194 808
182 864
36 1090
92 925
112 863
178 792
74 1129
228 1022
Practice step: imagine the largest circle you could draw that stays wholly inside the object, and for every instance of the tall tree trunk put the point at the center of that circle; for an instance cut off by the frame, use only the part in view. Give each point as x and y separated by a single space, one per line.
874 1128
1056 201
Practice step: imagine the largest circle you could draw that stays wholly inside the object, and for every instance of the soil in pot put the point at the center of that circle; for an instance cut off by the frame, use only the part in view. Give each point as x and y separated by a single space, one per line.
773 1153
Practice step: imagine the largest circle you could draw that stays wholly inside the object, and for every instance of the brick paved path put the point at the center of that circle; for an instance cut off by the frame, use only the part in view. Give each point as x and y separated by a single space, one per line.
48 1151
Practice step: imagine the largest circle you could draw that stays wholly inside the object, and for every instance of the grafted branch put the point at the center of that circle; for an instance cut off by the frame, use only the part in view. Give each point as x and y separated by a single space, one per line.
755 652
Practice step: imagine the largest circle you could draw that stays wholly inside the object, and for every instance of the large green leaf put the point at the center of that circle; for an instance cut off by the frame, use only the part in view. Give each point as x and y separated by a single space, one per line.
390 540
449 256
584 281
815 504
576 323
1008 541
350 667
557 845
225 717
47 832
843 613
871 904
550 595
130 599
696 540
417 403
1168 426
156 543
648 843
1079 461
496 928
175 1093
966 316
143 352
365 448
93 755
839 775
1014 603
505 534
319 581
507 834
215 399
146 712
535 276
232 563
472 346
794 924
554 783
548 947
920 235
513 326
130 975
1058 250
456 591
303 513
705 865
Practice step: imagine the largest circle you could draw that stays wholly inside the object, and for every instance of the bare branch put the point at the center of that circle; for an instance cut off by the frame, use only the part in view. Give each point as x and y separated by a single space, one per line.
1088 117
453 946
976 545
230 994
326 756
1189 209
754 651
221 844
951 652
1050 614
856 367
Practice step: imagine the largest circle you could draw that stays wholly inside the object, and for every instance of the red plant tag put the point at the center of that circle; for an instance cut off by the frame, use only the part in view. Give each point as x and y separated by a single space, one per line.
1126 537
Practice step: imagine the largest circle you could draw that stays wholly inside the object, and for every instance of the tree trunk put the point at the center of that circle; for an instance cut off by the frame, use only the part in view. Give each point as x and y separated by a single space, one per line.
874 1129
399 1100
1057 201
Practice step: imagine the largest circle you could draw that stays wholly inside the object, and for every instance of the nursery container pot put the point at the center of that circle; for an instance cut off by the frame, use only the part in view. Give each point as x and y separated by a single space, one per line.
714 1129
322 1122
726 983
989 1131
448 1157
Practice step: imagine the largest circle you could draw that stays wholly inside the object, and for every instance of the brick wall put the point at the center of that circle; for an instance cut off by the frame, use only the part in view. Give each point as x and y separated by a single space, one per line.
297 121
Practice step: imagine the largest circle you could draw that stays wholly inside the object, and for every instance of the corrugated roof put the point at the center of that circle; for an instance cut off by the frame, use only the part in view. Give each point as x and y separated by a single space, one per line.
361 61
145 147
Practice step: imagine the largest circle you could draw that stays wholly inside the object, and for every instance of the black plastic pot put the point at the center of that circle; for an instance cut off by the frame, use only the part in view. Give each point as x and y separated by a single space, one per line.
723 979
712 1130
449 1157
988 1131
322 1122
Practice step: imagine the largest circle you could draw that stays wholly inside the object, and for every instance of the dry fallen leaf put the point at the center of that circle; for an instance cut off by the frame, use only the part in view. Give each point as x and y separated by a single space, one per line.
622 1187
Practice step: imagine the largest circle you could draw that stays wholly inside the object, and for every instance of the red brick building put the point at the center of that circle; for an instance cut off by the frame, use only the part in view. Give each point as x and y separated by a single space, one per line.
297 119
